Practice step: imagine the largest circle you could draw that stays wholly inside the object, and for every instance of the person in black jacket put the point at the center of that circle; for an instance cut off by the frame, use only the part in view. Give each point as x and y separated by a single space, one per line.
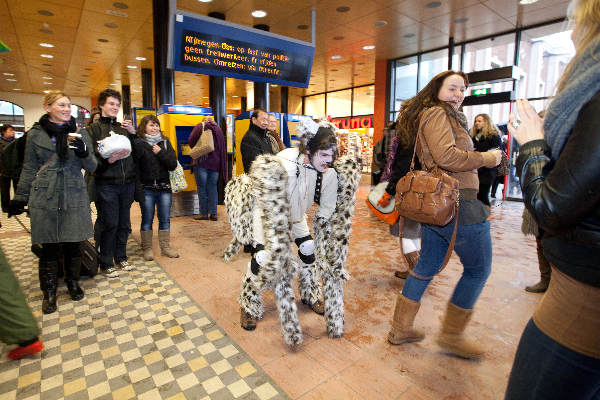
155 158
486 137
256 141
558 356
6 177
115 181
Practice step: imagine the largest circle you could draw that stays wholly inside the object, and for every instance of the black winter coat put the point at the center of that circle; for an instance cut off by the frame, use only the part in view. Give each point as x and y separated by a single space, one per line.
564 197
487 175
254 143
153 169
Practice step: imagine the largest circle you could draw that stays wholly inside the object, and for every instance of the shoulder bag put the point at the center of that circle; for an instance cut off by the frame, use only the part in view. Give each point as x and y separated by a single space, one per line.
177 177
204 145
429 197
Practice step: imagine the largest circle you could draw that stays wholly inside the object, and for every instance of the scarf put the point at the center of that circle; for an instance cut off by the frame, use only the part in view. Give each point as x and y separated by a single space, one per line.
59 132
152 140
583 84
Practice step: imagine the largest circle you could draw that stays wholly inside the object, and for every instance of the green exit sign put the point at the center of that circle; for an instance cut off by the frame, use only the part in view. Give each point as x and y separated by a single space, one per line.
480 92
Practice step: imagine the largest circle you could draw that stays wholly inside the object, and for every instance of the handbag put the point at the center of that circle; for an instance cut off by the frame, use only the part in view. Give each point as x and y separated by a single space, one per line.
177 178
430 197
204 145
504 166
387 214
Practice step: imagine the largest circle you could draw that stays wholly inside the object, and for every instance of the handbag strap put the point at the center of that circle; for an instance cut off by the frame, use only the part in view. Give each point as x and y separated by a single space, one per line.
446 257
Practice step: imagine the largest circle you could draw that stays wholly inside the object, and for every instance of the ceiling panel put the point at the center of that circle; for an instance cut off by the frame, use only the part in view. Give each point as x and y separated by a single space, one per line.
42 11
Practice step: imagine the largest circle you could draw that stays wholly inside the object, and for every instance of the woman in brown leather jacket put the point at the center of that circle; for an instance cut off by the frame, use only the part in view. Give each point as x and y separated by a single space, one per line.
443 140
559 168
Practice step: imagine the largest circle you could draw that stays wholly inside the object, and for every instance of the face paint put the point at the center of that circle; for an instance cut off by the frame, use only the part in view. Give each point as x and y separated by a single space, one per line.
322 159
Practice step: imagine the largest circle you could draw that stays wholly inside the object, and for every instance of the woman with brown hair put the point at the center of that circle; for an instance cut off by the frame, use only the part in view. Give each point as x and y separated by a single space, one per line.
485 138
52 184
559 169
441 132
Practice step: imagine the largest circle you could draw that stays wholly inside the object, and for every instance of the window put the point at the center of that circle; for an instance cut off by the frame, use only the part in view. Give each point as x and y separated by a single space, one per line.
364 100
404 78
432 64
80 114
12 114
339 104
315 106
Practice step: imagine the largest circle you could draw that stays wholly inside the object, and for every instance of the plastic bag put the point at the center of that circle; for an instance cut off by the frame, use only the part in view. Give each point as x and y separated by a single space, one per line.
177 178
112 144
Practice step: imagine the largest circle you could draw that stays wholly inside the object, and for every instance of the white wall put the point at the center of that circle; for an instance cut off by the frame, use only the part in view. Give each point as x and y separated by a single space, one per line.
32 104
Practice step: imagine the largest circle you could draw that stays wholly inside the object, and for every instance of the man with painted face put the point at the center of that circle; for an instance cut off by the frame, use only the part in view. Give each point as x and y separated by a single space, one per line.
256 142
310 180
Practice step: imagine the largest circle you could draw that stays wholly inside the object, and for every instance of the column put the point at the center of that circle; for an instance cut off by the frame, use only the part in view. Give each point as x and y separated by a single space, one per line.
126 101
261 89
163 76
146 87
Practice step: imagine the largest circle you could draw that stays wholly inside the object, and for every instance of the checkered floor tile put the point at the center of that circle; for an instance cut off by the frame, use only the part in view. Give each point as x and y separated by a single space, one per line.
137 336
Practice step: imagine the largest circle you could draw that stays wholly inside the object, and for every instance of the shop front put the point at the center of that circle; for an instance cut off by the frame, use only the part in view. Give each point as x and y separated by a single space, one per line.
355 137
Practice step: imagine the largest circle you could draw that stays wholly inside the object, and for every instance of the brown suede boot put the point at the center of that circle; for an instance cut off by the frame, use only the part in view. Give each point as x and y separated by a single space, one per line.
246 320
545 271
164 239
147 245
451 338
402 325
412 259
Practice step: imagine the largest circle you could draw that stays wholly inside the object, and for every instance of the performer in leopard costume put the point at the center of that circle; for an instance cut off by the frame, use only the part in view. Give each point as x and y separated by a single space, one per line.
266 209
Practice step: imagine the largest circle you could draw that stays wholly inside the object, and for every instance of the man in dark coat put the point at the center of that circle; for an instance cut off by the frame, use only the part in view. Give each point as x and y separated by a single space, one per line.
256 140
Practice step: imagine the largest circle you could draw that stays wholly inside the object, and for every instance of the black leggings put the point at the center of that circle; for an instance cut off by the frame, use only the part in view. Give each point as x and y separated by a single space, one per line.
70 250
484 193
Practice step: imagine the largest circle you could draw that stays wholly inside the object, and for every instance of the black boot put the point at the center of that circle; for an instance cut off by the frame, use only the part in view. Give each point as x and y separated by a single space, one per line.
72 269
48 282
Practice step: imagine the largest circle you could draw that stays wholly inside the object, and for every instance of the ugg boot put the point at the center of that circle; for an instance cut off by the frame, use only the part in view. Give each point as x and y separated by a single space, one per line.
402 325
164 238
451 338
147 245
412 259
48 283
72 270
545 271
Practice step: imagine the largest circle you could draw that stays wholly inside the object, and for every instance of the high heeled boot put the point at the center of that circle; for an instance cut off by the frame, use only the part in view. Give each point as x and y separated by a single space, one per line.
48 282
72 270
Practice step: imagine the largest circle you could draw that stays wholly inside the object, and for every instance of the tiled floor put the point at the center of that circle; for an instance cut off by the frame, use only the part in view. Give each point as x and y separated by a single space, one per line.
361 365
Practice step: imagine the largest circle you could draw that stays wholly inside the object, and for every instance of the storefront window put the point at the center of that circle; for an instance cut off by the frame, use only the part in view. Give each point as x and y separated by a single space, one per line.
12 114
432 64
364 100
294 103
404 78
339 104
315 106
544 54
80 114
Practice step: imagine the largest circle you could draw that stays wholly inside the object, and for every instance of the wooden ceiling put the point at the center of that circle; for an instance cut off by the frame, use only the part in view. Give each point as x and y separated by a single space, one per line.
99 43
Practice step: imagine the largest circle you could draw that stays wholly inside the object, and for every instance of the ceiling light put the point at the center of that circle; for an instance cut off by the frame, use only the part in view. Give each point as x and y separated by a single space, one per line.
368 47
342 9
47 83
461 20
409 35
46 13
122 6
47 55
103 40
141 58
433 4
525 2
48 31
338 38
47 77
45 91
8 74
259 14
17 89
96 52
110 25
131 67
204 1
302 27
46 45
113 84
235 97
380 23
11 80
205 97
336 57
274 85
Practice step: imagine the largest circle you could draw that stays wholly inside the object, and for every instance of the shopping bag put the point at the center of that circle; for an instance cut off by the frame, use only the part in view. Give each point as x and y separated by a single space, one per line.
387 214
204 145
177 178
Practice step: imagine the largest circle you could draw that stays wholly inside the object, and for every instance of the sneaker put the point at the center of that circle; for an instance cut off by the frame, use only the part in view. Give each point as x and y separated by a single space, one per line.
110 272
125 266
23 351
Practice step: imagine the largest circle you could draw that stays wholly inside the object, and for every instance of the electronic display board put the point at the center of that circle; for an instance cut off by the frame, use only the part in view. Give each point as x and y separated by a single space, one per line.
204 45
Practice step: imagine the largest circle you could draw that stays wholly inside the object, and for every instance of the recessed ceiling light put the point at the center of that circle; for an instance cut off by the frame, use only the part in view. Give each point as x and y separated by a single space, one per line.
356 74
205 97
336 57
47 31
103 40
47 83
235 97
49 78
368 47
8 74
46 13
380 23
409 35
461 20
433 4
131 67
46 45
342 9
11 80
302 27
141 58
204 1
120 5
525 2
274 85
259 14
96 52
113 84
45 91
110 25
17 89
47 55
360 63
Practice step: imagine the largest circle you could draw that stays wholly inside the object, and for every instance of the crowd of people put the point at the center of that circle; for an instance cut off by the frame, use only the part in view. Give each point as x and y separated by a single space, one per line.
559 352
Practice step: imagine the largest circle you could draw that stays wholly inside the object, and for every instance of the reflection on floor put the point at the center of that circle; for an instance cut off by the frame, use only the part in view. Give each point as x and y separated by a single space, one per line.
361 365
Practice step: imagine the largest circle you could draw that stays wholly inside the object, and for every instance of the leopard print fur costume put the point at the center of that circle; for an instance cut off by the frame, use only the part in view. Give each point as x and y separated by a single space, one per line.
265 188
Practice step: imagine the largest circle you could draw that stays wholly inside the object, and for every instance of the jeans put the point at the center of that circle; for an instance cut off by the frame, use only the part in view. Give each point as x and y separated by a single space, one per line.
545 369
474 248
162 201
113 203
206 181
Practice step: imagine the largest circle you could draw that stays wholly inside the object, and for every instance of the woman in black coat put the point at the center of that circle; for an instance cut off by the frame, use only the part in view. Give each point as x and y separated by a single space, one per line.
486 137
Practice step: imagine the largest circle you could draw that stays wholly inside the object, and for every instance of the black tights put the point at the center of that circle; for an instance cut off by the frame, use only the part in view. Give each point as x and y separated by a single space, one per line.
70 250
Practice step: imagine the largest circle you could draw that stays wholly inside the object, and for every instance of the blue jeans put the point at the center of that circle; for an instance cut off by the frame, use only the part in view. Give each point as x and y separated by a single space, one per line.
545 369
113 224
162 201
474 248
206 181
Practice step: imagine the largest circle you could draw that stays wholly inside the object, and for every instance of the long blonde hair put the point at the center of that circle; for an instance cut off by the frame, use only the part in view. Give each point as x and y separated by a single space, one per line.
584 16
489 128
54 95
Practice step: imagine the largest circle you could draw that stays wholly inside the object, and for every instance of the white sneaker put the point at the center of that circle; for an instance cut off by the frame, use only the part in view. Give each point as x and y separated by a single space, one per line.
110 272
125 266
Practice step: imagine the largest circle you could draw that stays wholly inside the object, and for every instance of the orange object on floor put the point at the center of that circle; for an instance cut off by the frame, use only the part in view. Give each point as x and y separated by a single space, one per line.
23 351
